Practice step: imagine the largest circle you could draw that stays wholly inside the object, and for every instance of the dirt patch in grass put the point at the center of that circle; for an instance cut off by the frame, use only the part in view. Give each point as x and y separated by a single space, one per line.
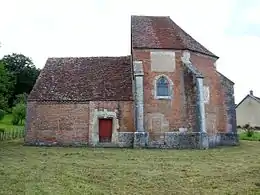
43 170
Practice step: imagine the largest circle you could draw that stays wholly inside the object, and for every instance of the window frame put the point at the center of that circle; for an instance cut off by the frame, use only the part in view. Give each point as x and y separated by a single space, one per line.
170 87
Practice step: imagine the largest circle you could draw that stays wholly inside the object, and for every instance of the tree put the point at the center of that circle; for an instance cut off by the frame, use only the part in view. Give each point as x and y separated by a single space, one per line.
19 113
15 63
6 87
24 74
21 98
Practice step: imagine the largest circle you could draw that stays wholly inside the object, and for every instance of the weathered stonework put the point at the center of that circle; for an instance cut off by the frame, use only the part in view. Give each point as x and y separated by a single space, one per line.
162 61
94 125
200 105
156 122
139 95
224 139
140 139
125 139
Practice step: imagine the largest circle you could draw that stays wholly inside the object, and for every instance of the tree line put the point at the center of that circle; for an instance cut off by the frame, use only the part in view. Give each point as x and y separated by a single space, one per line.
17 77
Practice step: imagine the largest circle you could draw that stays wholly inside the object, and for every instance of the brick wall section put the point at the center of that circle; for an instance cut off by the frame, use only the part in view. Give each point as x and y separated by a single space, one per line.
228 89
31 119
190 98
67 123
216 118
173 110
125 112
62 123
181 111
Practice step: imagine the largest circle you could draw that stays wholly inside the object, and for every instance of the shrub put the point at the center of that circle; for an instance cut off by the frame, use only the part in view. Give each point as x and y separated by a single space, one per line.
2 130
246 126
2 114
254 137
19 112
21 98
15 120
3 102
249 130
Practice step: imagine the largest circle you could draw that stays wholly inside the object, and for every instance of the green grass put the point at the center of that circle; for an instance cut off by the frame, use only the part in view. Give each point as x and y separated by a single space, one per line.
6 123
46 170
254 137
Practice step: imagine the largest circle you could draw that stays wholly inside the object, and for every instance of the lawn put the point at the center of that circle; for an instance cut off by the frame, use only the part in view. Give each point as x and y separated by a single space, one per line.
254 137
6 123
46 170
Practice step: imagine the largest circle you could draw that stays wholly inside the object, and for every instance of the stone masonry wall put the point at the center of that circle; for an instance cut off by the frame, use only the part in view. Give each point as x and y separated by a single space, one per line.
68 123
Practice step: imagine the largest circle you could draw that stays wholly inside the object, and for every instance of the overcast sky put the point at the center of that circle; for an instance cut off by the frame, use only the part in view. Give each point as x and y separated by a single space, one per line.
60 28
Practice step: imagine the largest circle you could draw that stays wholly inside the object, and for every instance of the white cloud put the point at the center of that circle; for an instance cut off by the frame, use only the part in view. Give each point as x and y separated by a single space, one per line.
42 29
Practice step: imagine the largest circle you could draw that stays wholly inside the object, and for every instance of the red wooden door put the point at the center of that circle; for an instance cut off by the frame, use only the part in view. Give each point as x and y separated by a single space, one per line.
105 130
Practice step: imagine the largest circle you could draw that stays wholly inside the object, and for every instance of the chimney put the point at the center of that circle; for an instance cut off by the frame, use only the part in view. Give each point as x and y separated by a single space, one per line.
251 92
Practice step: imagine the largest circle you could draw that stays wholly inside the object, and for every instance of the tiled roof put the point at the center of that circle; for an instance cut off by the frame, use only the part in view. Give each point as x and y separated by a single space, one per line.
83 79
160 32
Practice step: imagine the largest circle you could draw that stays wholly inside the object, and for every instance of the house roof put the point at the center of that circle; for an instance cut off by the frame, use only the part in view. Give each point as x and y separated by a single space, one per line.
83 79
251 96
160 32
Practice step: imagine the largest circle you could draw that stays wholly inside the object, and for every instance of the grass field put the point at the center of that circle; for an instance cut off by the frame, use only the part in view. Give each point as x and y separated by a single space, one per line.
43 170
254 137
6 123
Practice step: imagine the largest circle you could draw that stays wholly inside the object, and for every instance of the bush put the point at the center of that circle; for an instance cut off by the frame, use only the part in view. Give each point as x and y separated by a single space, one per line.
15 120
246 126
19 112
249 130
2 130
20 98
2 114
254 137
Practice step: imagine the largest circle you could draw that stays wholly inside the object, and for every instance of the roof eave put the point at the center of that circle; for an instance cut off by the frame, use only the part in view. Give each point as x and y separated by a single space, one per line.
248 95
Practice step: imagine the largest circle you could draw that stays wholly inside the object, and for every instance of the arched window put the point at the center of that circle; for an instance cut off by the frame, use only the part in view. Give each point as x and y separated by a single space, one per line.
162 87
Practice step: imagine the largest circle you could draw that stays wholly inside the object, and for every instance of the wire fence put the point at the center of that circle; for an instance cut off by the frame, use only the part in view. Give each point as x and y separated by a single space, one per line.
13 133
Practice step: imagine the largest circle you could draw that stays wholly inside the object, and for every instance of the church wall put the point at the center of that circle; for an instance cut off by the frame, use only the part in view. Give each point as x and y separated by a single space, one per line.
72 123
165 115
179 113
215 107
